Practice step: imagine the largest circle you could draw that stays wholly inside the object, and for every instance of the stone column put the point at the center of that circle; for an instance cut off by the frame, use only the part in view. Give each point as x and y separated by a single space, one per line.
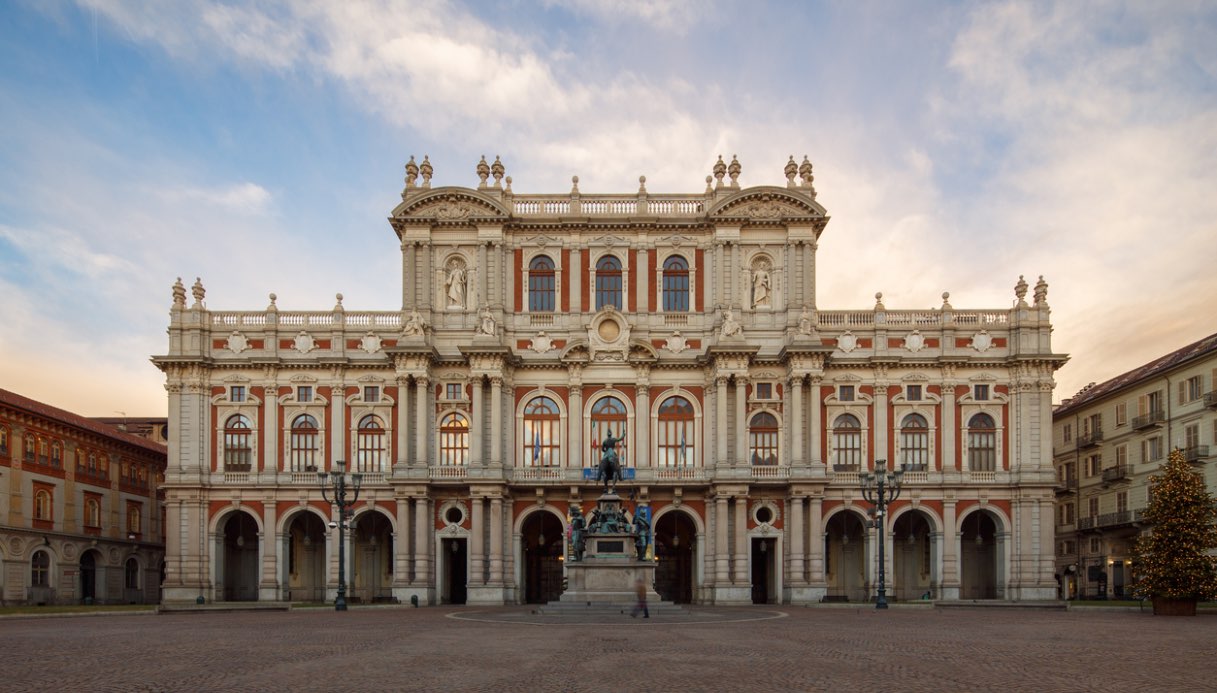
575 417
741 422
174 543
403 418
425 249
401 544
409 272
881 425
483 280
268 589
722 456
721 565
797 453
477 549
642 446
718 285
950 556
740 559
496 421
496 541
337 423
949 426
797 576
270 429
476 427
815 530
421 428
422 542
815 426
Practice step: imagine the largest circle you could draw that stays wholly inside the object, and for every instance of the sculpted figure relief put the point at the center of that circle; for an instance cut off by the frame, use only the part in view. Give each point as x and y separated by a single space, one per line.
731 327
456 287
486 325
762 286
415 325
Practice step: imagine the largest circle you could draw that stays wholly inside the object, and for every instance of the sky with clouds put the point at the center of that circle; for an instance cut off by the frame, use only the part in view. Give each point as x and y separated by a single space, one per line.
261 145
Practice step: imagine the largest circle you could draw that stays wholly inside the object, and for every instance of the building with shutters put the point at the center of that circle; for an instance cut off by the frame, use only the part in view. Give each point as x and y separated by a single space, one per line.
530 327
1109 439
80 518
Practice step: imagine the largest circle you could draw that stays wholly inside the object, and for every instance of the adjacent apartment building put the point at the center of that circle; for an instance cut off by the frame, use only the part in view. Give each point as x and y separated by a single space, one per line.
1108 440
80 518
529 328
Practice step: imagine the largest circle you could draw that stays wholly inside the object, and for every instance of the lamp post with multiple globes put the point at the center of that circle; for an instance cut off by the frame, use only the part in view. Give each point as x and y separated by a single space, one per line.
334 486
881 488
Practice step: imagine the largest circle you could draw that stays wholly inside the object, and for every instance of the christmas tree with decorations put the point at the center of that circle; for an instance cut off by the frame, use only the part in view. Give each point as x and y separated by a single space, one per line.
1175 559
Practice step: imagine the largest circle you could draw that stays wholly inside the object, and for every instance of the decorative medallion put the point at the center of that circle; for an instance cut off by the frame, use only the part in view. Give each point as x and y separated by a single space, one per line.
914 342
677 343
982 341
304 343
609 330
370 343
847 342
237 342
542 343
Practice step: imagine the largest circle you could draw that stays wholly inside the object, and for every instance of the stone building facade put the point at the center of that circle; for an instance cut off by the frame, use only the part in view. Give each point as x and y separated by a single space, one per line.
80 520
1109 439
531 326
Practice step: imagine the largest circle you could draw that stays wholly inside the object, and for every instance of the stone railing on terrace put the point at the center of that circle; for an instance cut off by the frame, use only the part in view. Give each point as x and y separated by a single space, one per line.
608 205
912 318
294 319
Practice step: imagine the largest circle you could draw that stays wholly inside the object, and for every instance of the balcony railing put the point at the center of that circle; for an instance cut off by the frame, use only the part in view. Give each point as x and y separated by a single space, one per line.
1210 399
1086 522
1196 453
1149 420
1067 485
1115 473
1091 439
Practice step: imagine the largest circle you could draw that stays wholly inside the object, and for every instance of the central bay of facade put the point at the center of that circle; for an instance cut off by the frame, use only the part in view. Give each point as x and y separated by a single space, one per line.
531 328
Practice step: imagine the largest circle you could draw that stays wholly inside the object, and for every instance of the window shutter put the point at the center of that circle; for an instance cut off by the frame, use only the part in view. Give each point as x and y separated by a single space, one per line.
1142 405
1182 387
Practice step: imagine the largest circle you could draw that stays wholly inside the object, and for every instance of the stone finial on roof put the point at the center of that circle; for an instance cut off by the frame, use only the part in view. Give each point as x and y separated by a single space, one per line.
179 294
427 170
1020 290
272 308
709 188
198 292
338 306
791 170
733 170
1041 292
720 170
508 181
411 172
574 184
642 184
807 178
946 300
879 301
497 170
483 170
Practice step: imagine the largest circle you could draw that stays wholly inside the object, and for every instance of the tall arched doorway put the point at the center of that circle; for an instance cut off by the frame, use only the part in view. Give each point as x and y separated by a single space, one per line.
88 577
978 557
845 558
306 559
912 558
240 558
544 542
372 551
675 544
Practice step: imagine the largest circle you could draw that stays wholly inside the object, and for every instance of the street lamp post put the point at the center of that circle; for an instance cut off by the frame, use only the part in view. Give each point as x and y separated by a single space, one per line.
881 488
334 485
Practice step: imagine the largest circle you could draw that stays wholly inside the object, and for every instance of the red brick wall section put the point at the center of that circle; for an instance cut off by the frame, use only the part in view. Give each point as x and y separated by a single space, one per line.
701 280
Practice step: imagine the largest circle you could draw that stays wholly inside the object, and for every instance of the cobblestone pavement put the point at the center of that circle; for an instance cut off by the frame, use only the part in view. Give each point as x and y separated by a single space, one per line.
509 649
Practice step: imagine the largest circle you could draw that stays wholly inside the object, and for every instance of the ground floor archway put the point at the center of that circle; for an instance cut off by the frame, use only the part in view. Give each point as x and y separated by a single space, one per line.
372 554
543 543
845 558
913 569
305 580
978 556
675 547
239 570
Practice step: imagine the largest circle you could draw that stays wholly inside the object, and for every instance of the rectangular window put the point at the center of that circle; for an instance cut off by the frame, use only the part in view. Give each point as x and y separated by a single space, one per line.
1191 436
236 393
304 393
1092 506
1122 501
1094 464
913 393
1067 433
763 391
1122 414
1121 455
1096 545
453 391
371 394
845 393
1151 449
1092 425
981 393
1191 389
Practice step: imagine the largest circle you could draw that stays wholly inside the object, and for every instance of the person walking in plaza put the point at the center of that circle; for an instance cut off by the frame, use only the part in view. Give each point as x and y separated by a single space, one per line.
640 588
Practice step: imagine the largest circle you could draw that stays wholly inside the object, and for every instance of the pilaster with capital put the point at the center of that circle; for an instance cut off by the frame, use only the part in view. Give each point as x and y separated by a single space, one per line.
496 541
402 408
720 413
643 450
422 425
739 560
477 547
423 531
795 526
741 422
476 427
794 384
815 426
721 557
496 421
949 425
401 543
881 423
575 419
815 529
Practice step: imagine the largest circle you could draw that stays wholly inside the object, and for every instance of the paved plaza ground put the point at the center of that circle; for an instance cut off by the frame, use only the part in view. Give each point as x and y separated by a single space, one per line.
510 649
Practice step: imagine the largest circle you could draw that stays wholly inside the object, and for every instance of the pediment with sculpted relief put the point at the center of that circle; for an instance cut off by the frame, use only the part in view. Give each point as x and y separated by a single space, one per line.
450 205
767 204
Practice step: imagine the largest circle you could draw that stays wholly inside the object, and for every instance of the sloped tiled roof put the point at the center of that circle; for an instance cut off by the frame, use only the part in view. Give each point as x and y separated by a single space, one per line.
45 410
1149 370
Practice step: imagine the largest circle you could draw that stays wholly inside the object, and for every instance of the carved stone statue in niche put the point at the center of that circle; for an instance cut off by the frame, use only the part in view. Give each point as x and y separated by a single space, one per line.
731 326
455 285
762 283
805 322
486 324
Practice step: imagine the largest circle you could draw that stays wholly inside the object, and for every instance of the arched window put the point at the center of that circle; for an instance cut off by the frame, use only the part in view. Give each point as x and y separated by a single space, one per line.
675 285
542 439
42 505
847 443
29 447
40 569
131 573
56 454
541 285
915 443
982 443
92 513
134 519
44 452
763 439
238 446
3 441
371 446
608 417
608 282
675 433
304 447
454 440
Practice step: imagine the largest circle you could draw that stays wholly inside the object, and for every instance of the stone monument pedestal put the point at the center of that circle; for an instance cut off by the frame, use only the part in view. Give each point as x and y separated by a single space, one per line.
610 567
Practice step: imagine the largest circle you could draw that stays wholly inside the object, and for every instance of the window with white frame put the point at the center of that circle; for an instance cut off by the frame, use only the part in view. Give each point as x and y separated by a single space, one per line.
134 518
1122 456
912 393
1067 433
371 446
454 440
542 283
608 419
236 393
845 393
675 285
980 392
847 443
40 569
1191 389
763 391
454 392
92 516
304 445
238 444
763 439
1094 464
608 282
541 435
1121 414
674 433
42 505
371 394
915 443
304 394
982 443
1151 449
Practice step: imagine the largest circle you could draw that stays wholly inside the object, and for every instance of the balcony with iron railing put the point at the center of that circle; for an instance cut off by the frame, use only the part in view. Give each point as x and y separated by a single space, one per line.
1119 472
1196 453
1210 399
1090 439
1153 418
1066 486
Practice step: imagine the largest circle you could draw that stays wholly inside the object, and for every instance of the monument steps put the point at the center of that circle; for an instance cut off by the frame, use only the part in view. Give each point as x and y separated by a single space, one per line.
615 608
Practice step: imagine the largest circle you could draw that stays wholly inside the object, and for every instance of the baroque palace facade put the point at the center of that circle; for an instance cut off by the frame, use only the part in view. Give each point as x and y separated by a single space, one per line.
532 326
80 517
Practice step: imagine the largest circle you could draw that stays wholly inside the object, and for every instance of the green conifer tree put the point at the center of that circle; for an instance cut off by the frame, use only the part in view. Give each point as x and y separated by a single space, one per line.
1175 559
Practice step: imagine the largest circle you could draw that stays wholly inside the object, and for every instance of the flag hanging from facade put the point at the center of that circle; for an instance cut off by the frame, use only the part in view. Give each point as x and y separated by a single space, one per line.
536 446
683 447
